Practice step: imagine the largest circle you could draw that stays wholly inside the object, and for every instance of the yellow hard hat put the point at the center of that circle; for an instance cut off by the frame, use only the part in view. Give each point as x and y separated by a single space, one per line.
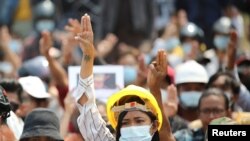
114 109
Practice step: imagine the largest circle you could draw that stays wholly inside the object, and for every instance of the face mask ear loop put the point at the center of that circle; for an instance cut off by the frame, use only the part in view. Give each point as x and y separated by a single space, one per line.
151 126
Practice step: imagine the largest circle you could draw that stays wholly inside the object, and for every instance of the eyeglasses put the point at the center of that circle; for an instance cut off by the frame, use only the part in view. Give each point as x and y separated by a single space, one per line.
214 111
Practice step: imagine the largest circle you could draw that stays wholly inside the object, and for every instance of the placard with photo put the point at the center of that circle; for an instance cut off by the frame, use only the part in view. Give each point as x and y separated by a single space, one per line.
108 79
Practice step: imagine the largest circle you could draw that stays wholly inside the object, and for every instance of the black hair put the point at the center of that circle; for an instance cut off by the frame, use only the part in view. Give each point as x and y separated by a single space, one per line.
4 106
11 85
40 102
229 82
127 99
215 92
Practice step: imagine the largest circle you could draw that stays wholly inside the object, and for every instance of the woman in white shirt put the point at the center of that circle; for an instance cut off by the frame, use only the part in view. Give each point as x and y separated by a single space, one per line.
133 111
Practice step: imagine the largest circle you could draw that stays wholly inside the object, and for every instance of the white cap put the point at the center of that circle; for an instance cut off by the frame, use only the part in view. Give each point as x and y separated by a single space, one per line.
190 72
223 25
34 86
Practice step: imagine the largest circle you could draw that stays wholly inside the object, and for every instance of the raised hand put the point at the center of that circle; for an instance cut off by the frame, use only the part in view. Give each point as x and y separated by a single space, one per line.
86 38
106 45
171 105
69 102
231 50
73 27
9 56
142 71
5 36
157 70
45 43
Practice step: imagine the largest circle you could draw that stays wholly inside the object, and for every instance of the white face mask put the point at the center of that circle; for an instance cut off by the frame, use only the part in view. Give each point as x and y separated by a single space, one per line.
136 133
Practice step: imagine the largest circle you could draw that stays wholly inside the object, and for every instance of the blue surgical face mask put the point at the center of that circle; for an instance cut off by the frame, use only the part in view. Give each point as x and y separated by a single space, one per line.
5 67
171 43
42 25
221 42
130 74
15 46
187 48
190 99
136 133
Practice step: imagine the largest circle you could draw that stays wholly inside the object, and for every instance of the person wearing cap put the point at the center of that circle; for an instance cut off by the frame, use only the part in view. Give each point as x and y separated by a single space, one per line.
34 95
43 18
242 97
221 38
191 37
212 104
41 124
190 80
133 111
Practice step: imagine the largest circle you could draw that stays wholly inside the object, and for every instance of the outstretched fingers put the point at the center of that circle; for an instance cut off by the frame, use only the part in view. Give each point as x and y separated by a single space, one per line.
83 27
46 36
161 61
153 67
86 23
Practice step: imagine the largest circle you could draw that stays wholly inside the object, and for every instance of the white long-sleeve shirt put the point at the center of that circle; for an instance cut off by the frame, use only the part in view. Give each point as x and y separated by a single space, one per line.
90 122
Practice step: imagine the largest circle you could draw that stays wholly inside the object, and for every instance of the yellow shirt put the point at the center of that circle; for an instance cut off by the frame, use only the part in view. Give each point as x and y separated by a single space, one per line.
23 11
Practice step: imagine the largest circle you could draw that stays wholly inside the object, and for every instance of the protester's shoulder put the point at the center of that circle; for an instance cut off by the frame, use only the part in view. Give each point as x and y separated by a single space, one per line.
179 119
178 123
188 134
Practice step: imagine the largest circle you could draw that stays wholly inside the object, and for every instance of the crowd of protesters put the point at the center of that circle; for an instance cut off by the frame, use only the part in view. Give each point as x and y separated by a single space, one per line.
186 65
